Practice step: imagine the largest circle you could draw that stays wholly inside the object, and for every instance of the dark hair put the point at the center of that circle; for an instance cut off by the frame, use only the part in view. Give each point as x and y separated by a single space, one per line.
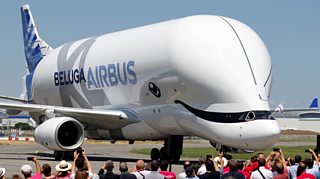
154 165
301 168
254 159
79 162
164 165
80 174
309 162
261 162
123 167
195 166
292 161
240 165
233 165
46 169
297 158
16 176
209 165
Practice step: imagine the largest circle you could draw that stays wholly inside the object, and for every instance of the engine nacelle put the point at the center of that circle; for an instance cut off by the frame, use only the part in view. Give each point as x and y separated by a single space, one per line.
60 134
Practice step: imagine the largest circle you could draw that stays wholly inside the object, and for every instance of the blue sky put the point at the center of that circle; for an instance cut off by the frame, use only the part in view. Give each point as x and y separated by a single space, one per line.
289 28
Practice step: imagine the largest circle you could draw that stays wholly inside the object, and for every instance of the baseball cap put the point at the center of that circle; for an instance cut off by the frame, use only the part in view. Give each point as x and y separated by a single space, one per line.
26 169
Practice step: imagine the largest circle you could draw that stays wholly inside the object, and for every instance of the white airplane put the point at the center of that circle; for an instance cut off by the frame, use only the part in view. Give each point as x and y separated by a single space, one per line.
206 76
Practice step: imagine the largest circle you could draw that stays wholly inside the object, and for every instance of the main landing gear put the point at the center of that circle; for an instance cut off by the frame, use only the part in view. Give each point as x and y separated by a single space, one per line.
171 150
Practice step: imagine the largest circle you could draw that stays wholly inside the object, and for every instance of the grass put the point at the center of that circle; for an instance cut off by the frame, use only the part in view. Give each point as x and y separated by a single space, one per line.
197 152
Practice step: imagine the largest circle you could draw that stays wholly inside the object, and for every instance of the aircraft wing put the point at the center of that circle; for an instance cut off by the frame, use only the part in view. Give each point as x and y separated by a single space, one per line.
282 112
99 119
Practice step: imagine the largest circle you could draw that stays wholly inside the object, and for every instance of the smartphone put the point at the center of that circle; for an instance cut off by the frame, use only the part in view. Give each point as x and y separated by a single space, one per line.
276 149
209 156
30 158
308 151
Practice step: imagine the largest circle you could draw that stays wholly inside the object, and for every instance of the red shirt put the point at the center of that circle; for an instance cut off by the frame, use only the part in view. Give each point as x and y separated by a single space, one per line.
245 173
305 175
168 174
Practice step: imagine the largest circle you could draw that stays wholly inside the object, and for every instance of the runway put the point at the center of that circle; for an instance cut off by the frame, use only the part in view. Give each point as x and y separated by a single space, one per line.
13 154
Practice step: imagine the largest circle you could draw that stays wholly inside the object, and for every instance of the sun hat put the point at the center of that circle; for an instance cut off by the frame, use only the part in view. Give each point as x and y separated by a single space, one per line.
26 169
2 171
63 166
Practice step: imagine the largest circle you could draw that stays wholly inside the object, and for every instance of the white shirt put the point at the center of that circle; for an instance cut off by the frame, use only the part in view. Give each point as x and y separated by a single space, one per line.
140 174
266 173
202 170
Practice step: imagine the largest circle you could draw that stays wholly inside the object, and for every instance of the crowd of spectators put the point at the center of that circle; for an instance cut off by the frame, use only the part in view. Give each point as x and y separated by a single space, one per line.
220 167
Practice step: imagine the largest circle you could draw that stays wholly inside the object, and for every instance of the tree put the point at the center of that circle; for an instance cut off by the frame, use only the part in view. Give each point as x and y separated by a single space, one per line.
23 126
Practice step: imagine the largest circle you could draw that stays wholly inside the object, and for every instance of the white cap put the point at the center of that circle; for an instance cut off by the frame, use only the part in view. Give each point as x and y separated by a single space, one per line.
2 171
26 169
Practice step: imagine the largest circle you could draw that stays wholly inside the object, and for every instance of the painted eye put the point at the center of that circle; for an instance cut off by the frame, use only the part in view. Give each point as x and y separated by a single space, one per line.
154 89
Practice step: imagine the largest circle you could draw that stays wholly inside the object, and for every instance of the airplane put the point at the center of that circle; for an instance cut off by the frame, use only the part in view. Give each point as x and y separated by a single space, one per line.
203 75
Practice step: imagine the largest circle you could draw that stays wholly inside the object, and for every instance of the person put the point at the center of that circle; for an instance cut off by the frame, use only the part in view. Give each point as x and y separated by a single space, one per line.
281 167
212 170
202 169
233 171
2 172
63 169
154 174
293 169
240 167
262 172
139 172
16 176
301 172
185 165
164 164
46 171
312 165
190 173
106 171
79 159
26 170
123 167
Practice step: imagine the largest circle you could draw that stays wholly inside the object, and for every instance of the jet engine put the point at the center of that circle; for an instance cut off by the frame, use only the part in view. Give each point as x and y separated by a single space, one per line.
60 134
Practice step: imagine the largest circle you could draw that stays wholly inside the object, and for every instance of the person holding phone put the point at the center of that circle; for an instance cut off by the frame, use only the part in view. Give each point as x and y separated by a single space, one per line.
26 170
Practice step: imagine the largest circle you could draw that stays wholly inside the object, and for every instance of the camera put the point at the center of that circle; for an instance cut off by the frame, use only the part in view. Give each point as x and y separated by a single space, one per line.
208 157
30 158
276 149
79 151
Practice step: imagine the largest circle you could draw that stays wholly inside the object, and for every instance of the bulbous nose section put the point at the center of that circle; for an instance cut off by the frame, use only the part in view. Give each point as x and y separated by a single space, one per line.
267 134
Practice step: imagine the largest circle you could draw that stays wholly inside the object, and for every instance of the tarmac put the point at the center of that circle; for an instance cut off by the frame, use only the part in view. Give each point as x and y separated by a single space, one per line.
13 154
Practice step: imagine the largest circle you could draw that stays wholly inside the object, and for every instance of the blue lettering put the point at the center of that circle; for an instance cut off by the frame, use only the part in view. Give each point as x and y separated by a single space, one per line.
112 75
132 75
124 80
76 76
70 76
103 75
91 80
82 78
97 77
61 73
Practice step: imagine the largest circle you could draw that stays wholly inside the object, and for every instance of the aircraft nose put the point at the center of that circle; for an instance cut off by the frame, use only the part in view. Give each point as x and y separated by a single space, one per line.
270 133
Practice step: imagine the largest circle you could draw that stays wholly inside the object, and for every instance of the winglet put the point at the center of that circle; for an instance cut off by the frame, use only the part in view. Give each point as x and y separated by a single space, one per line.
314 103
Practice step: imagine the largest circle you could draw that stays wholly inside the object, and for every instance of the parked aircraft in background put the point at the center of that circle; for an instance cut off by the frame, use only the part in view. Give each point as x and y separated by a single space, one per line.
300 118
206 76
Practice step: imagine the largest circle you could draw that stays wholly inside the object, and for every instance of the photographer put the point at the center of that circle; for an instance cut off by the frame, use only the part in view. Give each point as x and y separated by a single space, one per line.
312 163
79 158
26 170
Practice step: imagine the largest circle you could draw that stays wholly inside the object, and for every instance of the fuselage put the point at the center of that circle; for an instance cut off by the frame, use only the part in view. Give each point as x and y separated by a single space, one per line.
215 64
